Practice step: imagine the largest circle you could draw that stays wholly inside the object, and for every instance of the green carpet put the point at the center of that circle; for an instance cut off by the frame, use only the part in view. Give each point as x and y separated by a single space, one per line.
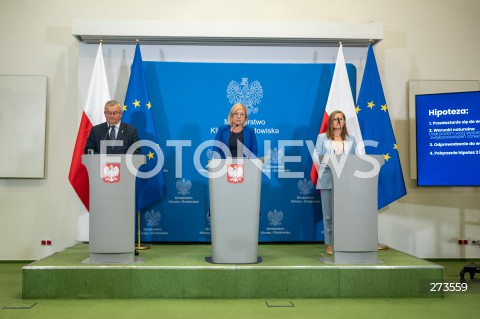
288 271
453 305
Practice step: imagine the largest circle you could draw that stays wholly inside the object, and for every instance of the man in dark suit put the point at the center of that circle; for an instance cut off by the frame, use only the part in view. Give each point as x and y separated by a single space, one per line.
113 129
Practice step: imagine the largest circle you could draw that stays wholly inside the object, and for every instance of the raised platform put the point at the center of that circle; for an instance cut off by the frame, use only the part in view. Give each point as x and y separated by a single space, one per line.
178 271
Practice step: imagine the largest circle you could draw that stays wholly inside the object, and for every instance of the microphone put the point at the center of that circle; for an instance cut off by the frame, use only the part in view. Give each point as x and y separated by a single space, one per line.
105 137
108 130
338 120
234 135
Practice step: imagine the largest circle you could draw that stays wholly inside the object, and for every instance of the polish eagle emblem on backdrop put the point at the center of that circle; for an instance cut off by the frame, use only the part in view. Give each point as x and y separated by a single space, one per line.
275 156
111 173
247 94
153 218
305 186
275 217
183 186
235 173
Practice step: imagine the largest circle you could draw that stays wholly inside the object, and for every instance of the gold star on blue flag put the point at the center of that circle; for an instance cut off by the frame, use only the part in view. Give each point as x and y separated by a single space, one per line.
375 125
138 112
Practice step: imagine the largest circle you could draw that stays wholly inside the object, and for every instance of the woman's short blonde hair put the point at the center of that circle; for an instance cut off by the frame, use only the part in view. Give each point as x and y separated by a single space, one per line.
234 109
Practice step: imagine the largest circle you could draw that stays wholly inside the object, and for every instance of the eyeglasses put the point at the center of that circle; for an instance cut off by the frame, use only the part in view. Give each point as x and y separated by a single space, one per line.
112 113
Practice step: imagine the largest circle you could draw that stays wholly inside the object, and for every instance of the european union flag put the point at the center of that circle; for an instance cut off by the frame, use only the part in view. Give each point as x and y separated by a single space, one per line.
137 111
372 112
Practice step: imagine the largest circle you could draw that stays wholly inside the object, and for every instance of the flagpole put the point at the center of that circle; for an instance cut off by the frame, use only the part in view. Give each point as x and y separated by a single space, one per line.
139 246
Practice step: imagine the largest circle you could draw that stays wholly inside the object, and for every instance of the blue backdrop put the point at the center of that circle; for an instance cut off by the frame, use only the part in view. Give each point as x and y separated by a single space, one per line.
286 103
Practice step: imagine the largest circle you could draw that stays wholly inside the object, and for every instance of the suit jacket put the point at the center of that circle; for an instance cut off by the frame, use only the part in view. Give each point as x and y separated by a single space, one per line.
324 146
126 133
249 140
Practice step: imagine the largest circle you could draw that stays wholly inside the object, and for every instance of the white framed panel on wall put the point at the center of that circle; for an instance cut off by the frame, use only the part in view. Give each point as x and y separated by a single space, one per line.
23 111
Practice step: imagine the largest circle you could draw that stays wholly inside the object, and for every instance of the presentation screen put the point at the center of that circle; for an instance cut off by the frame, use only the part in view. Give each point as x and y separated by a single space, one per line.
448 139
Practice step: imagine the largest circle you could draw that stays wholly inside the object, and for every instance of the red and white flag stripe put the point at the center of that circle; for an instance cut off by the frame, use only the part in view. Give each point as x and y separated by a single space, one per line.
98 93
340 98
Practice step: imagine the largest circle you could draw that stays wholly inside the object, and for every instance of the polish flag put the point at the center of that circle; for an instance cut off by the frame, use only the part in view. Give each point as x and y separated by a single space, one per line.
340 98
98 94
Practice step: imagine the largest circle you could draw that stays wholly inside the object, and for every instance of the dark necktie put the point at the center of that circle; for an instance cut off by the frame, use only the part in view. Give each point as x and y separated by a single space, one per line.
112 133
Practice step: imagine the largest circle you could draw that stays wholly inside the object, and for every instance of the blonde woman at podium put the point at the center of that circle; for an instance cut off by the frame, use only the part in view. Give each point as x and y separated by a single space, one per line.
334 141
230 136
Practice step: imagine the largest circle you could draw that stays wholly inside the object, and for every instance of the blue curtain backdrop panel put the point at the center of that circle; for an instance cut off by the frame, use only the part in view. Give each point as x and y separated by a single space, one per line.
285 104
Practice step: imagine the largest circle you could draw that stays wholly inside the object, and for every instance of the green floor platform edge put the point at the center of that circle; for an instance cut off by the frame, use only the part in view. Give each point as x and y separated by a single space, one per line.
180 271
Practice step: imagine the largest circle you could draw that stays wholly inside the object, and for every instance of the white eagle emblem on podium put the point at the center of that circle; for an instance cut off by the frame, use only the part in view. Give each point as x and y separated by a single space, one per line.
235 173
111 173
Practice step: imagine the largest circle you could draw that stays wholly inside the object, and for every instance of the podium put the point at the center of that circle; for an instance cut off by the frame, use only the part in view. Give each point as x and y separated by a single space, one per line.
355 220
112 206
234 185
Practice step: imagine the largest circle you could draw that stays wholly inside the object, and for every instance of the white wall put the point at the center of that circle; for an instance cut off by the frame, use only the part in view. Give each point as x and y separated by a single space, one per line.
426 39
